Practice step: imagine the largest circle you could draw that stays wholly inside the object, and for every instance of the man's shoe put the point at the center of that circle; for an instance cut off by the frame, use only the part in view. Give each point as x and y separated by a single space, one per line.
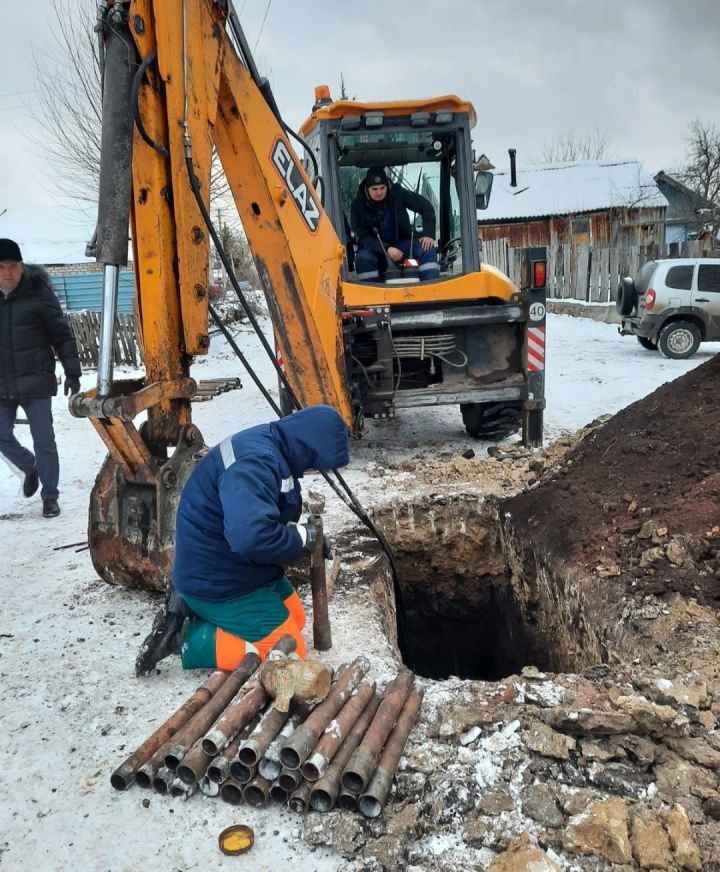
31 483
165 638
51 509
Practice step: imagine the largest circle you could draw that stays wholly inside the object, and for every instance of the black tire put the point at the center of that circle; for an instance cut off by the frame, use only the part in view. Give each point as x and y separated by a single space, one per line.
491 421
679 340
626 296
648 344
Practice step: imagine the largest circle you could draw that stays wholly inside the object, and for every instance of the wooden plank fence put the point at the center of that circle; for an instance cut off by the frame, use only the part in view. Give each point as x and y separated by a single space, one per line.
86 327
581 272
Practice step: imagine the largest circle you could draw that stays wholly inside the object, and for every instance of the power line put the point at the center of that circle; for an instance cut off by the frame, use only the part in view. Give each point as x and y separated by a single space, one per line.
267 9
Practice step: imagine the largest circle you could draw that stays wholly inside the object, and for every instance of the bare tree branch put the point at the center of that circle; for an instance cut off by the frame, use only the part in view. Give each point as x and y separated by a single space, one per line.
571 146
701 173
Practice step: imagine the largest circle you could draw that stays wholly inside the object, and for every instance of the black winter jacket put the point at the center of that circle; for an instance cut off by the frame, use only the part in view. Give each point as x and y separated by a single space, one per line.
33 329
367 217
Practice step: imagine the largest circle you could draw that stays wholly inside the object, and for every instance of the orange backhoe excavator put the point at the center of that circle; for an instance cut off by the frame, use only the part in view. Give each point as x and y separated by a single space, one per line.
179 81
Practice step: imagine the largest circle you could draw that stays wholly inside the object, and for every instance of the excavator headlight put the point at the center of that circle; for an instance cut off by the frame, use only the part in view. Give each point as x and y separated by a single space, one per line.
374 119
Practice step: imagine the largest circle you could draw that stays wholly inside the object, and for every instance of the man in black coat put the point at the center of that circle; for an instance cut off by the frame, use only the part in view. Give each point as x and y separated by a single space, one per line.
382 229
33 330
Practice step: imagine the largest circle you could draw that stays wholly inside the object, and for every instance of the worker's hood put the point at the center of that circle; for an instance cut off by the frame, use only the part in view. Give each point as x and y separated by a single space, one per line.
314 438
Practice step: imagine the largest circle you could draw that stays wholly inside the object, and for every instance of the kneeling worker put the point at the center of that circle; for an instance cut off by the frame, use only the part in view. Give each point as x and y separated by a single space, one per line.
236 529
382 229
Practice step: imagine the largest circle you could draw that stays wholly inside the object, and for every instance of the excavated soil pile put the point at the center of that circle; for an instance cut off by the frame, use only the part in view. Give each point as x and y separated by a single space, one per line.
638 500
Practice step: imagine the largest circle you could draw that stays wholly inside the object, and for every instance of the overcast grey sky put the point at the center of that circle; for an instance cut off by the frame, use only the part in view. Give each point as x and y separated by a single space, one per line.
637 70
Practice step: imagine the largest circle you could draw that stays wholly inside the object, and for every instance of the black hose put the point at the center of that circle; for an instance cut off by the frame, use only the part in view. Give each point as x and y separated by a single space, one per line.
137 81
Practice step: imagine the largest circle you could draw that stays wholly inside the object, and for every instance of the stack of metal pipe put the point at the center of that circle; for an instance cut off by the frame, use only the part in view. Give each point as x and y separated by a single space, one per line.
228 740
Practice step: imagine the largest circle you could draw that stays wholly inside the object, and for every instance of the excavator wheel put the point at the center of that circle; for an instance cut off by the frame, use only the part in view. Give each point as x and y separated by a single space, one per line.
491 421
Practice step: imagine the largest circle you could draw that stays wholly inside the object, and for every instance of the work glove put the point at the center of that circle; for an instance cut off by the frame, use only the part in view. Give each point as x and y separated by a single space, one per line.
310 538
72 385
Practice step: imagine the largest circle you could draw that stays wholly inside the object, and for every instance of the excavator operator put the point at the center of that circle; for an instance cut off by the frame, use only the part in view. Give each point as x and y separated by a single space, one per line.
380 224
237 526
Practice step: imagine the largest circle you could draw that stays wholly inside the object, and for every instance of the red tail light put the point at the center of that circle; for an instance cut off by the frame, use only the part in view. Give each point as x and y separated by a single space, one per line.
539 270
649 299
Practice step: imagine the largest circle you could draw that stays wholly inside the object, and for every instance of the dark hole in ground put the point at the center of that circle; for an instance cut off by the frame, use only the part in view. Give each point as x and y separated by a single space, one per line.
466 613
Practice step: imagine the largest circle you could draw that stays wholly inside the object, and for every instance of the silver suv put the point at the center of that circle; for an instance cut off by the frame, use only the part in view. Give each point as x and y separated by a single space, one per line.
673 305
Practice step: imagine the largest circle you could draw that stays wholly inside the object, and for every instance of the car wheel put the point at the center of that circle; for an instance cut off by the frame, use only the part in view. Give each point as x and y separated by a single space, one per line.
679 340
626 296
647 343
491 421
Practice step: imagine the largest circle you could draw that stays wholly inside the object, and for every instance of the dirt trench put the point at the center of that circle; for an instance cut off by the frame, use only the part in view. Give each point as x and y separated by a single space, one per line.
567 635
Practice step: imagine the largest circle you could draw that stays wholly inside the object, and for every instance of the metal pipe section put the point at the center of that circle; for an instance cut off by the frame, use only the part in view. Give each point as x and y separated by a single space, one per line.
162 780
201 722
324 792
362 763
219 768
300 798
237 715
257 791
111 279
298 747
466 317
194 764
257 743
278 792
181 788
372 801
242 773
128 771
289 779
232 792
336 731
346 800
208 787
322 634
269 765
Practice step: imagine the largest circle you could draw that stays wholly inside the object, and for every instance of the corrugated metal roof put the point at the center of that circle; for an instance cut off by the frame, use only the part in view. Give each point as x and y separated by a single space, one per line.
84 291
571 188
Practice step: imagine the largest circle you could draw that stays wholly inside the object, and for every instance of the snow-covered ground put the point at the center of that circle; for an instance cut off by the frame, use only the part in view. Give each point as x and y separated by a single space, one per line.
72 708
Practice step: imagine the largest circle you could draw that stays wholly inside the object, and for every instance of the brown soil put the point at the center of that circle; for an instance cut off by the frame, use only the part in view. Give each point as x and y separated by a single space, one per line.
638 499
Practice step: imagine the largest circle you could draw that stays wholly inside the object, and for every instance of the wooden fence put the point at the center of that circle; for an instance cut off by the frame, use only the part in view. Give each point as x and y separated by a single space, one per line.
86 327
581 272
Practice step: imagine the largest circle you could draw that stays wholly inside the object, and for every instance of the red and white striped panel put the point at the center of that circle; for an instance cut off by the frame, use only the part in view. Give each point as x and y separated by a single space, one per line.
536 349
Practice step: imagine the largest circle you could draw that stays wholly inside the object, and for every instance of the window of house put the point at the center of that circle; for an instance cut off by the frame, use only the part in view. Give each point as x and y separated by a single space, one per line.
680 277
709 279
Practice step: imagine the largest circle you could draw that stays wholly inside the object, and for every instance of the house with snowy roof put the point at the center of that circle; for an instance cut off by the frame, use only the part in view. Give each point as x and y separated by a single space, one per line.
598 219
586 202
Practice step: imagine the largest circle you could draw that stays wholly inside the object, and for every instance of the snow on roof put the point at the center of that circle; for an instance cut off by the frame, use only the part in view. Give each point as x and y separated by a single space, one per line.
571 188
51 234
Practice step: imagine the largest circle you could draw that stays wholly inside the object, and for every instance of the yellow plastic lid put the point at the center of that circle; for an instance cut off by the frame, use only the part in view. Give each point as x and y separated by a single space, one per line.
236 839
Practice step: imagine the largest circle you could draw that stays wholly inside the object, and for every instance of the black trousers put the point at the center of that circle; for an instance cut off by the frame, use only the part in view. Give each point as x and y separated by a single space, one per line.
45 459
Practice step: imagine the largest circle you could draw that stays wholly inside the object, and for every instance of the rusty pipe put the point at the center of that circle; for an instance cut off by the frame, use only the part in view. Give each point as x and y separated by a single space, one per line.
232 792
300 798
242 773
336 731
360 767
208 787
194 764
199 724
322 635
289 779
237 715
127 772
219 768
297 748
324 793
278 793
164 777
269 765
346 800
257 743
257 791
372 800
180 788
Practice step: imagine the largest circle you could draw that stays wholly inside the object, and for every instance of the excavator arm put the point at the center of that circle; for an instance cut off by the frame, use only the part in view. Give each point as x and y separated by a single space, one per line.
179 83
